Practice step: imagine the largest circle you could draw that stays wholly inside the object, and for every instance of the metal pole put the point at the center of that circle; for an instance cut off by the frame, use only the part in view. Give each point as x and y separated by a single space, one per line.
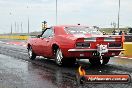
15 27
21 28
28 25
56 13
11 22
11 28
28 21
119 17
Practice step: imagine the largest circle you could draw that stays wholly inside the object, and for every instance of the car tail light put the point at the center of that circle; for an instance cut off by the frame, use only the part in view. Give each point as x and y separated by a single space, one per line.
115 45
83 45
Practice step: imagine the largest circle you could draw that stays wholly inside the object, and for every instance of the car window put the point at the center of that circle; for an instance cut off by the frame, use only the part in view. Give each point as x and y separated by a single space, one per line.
48 33
82 30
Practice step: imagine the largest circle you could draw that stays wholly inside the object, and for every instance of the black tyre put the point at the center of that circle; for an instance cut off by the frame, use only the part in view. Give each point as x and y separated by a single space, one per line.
105 60
95 61
31 54
70 61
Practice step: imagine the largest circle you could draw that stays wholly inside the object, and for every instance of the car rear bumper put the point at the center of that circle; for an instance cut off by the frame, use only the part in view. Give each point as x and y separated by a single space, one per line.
89 50
89 53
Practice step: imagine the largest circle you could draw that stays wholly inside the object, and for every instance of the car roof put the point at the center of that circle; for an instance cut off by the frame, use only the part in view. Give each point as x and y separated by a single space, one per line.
59 29
72 26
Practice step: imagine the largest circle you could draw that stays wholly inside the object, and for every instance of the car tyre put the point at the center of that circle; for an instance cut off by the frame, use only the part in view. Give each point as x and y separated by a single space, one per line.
105 60
94 61
31 54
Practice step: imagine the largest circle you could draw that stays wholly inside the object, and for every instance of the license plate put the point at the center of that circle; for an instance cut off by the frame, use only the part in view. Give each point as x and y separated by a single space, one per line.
102 49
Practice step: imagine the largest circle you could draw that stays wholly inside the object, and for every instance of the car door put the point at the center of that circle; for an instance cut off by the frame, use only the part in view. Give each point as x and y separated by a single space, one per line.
34 45
45 42
37 46
50 40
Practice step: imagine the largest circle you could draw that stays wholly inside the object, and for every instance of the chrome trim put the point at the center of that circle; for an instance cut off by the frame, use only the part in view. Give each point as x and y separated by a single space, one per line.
109 39
81 50
89 50
116 49
90 39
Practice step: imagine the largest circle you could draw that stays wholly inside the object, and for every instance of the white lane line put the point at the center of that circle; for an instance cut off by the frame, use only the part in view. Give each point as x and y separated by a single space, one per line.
116 56
130 58
2 42
25 45
123 57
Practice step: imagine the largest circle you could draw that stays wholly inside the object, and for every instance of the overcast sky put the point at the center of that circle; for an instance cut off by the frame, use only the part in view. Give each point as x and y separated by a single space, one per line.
87 12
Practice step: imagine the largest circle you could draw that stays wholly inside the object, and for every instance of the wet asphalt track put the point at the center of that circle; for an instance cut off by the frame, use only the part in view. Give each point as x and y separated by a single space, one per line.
17 71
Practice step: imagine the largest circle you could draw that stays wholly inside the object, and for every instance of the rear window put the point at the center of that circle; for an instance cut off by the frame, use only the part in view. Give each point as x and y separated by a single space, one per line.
82 30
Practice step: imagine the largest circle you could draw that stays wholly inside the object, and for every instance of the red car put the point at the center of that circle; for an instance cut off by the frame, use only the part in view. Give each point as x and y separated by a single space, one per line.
65 44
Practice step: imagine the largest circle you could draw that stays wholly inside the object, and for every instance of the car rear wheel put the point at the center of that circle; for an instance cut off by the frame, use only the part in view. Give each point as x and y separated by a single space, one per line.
105 60
60 60
31 54
59 57
95 61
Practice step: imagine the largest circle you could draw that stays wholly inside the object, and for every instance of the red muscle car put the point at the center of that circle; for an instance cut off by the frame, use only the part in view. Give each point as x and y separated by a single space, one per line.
65 44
